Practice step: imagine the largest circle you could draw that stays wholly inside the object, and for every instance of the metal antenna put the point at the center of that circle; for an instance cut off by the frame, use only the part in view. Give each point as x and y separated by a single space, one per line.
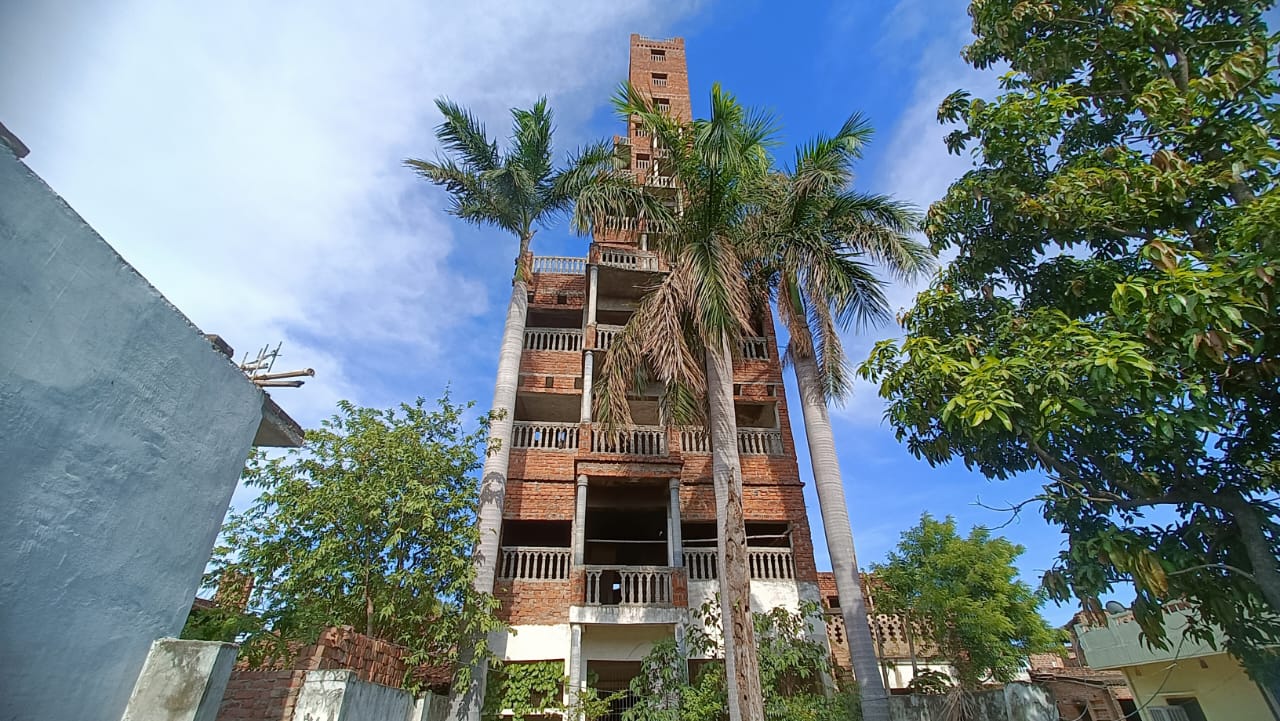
259 369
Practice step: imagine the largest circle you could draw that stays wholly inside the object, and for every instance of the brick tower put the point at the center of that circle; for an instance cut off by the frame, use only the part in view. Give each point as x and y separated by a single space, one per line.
608 538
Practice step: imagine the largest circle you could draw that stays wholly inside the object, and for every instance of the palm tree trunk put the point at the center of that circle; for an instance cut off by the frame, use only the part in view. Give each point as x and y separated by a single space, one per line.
835 523
741 666
465 703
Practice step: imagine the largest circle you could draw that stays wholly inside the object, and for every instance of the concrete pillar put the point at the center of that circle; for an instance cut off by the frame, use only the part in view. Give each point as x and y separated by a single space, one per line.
580 523
181 681
577 664
593 278
587 364
673 519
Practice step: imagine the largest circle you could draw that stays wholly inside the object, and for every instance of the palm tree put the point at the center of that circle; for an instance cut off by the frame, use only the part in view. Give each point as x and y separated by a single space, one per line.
515 191
684 329
817 235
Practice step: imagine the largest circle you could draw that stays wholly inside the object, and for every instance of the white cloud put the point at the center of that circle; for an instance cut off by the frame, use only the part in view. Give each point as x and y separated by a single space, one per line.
245 157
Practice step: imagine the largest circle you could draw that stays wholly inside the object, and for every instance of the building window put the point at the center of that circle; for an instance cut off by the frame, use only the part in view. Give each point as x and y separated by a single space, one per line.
657 56
642 161
1188 705
658 80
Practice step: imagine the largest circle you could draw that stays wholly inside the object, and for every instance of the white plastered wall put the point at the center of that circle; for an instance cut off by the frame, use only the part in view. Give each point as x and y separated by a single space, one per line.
531 643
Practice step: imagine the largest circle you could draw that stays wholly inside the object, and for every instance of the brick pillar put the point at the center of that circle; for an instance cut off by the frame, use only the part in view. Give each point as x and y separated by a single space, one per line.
580 523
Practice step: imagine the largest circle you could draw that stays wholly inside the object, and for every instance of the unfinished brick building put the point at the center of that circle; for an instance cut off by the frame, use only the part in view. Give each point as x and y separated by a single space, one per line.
608 538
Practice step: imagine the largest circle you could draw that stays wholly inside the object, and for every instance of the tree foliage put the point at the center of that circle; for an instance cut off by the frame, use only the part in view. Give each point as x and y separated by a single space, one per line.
965 593
1110 318
793 670
370 524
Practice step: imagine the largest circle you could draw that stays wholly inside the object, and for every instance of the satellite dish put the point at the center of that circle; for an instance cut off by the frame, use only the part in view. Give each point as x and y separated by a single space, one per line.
1115 607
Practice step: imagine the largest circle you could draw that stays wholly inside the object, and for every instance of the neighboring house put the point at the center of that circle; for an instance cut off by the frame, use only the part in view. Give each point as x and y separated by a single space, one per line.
1189 681
902 650
1082 693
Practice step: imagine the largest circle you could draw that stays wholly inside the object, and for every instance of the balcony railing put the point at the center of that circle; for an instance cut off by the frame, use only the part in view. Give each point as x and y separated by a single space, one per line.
566 339
637 441
660 181
765 564
751 441
544 436
759 442
559 264
630 260
615 222
535 563
605 335
628 586
755 348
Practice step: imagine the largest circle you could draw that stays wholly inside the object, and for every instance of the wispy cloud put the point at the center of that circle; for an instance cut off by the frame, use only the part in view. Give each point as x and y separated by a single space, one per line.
917 167
245 157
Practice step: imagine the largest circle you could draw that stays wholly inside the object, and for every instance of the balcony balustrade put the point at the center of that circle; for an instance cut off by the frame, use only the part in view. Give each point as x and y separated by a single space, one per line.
660 181
620 223
563 339
535 563
635 441
755 348
765 564
751 441
628 585
605 335
559 264
628 259
544 436
759 442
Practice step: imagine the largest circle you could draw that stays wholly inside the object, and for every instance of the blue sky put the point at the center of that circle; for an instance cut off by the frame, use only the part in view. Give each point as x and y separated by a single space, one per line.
245 157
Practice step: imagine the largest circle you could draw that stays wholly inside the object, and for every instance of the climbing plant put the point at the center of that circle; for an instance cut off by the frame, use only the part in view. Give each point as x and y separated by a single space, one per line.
525 689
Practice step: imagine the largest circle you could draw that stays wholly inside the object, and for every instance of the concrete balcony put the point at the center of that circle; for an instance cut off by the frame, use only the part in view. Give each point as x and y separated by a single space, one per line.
635 441
629 586
545 436
751 441
605 335
765 564
559 265
629 259
535 563
553 339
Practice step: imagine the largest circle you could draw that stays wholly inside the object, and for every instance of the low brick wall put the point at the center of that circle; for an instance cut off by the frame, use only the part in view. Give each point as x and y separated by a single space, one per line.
270 693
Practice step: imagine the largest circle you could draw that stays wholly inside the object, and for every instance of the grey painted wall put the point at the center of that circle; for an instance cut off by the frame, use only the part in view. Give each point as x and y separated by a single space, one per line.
122 434
341 696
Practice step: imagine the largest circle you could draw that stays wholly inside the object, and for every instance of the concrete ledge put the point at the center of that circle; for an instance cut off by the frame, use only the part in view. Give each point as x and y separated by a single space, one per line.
628 615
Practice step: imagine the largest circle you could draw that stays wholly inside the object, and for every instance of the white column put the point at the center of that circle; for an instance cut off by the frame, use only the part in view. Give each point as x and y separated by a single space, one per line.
673 519
592 282
577 671
587 365
580 523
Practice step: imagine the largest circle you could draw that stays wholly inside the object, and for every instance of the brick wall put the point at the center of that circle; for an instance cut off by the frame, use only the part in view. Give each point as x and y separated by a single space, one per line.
541 500
537 602
261 695
268 693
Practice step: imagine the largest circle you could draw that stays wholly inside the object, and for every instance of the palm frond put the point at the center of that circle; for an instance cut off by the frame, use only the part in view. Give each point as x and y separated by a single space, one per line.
463 134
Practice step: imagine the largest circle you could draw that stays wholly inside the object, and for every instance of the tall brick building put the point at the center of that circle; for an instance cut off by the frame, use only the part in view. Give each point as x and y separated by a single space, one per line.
608 537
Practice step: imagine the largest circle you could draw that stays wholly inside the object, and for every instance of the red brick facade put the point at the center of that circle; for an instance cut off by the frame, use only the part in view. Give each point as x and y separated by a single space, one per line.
575 307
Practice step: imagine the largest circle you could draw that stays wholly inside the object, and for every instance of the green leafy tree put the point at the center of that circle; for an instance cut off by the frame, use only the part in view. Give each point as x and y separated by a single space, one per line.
1110 318
965 593
370 524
